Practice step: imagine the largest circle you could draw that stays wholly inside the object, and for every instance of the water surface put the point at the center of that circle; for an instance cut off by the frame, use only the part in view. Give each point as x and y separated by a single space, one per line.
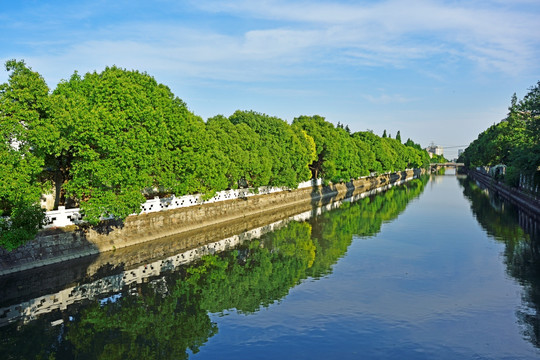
432 269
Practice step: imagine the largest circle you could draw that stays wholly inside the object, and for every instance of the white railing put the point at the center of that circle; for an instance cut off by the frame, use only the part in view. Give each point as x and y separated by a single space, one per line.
64 217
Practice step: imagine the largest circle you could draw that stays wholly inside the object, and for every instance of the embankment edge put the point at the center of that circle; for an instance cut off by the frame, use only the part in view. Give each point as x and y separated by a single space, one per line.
53 246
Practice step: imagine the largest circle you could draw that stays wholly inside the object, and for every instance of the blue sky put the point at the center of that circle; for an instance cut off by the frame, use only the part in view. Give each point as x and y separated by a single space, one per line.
439 71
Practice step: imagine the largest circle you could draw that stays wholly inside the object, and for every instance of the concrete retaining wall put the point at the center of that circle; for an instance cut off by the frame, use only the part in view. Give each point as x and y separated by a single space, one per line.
65 217
75 242
523 200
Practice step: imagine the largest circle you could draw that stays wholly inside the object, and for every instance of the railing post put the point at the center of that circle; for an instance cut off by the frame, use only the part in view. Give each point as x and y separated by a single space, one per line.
61 218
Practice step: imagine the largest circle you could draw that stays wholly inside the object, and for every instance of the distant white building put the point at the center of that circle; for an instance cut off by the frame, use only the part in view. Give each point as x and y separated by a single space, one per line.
434 150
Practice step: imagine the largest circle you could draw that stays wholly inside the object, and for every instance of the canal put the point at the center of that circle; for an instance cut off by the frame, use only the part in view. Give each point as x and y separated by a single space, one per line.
435 268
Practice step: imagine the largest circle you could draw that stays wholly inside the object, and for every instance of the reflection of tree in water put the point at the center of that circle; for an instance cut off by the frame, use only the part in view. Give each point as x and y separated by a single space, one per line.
169 317
36 340
257 274
333 231
502 221
151 321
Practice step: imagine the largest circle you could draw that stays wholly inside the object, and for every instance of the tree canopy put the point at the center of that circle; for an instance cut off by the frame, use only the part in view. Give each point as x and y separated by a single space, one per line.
105 141
341 156
123 133
514 142
24 105
290 152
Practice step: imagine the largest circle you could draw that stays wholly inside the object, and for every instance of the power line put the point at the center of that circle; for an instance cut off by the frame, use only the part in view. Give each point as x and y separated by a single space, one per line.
454 146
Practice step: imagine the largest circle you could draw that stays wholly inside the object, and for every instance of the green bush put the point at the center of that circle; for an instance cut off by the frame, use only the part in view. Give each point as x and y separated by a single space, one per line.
21 226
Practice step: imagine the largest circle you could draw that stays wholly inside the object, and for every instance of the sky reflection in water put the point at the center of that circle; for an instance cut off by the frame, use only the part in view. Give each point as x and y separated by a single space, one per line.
431 284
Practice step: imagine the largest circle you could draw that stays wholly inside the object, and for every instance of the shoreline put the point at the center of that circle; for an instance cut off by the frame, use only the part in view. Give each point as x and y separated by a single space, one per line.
172 227
515 196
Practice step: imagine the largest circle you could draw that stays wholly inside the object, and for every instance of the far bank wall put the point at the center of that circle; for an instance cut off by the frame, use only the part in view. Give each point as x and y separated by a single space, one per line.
523 200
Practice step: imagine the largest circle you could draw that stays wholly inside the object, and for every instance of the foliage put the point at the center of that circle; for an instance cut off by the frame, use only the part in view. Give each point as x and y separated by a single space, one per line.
342 156
246 161
24 131
384 160
21 226
438 159
417 156
289 151
324 164
108 140
123 133
515 141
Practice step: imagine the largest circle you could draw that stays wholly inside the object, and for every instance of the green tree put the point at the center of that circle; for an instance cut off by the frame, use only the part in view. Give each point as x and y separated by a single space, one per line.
106 140
420 157
339 157
289 150
514 141
438 159
366 156
124 133
24 128
326 145
247 161
381 148
399 154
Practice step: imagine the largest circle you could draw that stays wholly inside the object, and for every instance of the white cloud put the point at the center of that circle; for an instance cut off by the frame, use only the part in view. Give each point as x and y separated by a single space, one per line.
304 37
176 50
351 62
496 35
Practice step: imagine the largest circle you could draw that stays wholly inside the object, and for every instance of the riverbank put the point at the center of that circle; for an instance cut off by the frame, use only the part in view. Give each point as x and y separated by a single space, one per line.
525 201
53 246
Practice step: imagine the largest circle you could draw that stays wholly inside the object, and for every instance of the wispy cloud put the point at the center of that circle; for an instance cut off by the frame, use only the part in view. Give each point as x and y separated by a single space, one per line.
390 60
388 99
498 36
256 55
304 37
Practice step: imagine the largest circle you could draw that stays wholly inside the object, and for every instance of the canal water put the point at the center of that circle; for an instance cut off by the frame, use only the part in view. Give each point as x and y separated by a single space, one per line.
438 268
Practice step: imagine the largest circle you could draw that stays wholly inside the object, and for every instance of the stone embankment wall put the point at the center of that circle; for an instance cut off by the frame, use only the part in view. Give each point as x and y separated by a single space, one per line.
75 242
520 198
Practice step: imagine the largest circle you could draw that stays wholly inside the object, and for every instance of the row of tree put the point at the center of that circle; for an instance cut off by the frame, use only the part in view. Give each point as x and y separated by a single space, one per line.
105 140
514 141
